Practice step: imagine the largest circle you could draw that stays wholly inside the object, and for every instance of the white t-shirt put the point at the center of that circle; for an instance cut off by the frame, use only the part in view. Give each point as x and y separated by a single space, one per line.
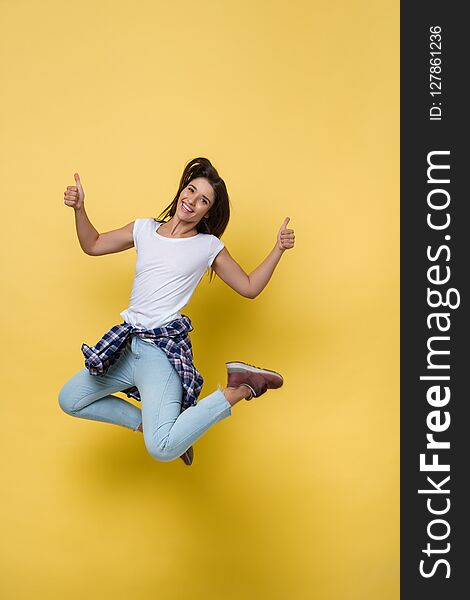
167 272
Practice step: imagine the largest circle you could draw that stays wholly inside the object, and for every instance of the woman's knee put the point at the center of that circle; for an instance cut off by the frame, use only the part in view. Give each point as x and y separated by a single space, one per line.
159 450
67 399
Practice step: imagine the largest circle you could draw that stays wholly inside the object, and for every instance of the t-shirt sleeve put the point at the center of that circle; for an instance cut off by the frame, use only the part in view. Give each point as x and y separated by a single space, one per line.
135 232
215 247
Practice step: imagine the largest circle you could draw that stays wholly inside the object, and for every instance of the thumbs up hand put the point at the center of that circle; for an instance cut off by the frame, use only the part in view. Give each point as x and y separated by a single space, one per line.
74 194
285 237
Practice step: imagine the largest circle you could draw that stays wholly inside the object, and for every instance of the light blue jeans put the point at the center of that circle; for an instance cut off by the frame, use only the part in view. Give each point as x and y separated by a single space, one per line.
168 432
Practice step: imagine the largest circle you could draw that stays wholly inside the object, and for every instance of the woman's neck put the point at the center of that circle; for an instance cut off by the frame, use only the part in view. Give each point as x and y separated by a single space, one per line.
177 228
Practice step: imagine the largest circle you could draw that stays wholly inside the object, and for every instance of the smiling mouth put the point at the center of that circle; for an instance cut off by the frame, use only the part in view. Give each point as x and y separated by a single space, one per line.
186 207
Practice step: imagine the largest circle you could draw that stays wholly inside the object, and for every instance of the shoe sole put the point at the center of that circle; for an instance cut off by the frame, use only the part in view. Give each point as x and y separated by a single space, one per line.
237 367
187 457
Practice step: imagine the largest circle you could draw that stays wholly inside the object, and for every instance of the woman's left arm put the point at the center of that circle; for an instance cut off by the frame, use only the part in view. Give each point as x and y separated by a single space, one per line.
253 284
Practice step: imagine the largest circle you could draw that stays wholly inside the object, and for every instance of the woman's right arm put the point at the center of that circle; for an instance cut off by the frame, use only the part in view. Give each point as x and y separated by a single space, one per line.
92 242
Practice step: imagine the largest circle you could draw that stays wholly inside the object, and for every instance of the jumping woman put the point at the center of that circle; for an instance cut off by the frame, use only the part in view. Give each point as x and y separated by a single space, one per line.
149 355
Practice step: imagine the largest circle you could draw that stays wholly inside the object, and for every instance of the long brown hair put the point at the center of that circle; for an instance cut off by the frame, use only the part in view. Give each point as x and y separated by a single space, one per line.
219 214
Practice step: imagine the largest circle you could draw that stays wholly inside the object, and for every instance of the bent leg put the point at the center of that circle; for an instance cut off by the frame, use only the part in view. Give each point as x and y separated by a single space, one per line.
89 396
168 432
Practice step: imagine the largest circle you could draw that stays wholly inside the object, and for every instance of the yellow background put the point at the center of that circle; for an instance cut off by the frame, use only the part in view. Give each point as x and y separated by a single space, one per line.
296 104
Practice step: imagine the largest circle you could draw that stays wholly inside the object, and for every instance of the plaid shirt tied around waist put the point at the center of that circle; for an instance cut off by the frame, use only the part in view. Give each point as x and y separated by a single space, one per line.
172 338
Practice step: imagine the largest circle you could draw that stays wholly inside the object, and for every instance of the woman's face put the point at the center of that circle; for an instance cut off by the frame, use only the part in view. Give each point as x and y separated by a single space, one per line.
195 200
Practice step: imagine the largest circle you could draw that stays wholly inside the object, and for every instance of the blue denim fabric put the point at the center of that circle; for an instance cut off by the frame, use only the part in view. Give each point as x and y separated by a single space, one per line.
168 432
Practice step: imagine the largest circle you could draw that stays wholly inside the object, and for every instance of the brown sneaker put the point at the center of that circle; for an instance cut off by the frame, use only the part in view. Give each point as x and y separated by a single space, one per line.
187 457
258 380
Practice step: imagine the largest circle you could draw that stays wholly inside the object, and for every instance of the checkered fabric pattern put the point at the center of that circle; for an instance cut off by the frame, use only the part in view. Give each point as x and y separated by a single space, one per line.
172 338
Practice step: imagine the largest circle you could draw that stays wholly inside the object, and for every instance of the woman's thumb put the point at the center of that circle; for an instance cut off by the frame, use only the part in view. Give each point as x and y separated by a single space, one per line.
286 220
77 180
